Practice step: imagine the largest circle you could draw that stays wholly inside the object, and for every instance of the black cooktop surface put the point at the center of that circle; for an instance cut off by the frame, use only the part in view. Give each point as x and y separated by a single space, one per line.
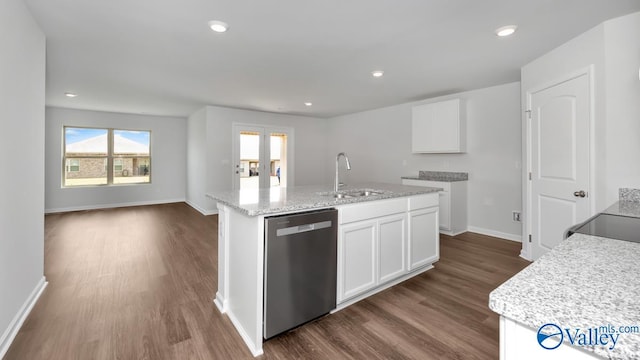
613 227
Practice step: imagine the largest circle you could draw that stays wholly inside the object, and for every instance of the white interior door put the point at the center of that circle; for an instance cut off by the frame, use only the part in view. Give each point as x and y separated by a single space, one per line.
262 156
559 138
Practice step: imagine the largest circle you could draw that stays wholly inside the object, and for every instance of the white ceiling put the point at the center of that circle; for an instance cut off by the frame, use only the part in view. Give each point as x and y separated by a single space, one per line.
159 56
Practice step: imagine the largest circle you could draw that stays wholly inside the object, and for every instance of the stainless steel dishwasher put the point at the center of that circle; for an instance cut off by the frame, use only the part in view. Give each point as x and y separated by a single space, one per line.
299 269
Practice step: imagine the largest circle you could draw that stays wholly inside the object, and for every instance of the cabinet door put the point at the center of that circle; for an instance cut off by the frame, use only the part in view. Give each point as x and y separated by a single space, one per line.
422 130
424 238
391 247
357 259
447 123
445 210
436 127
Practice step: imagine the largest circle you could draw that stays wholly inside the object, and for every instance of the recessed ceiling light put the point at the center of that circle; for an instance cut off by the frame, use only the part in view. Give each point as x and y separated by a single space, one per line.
308 103
377 73
506 30
218 26
71 95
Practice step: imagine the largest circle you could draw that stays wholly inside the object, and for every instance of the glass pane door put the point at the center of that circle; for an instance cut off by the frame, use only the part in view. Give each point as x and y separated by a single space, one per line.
249 169
260 157
278 161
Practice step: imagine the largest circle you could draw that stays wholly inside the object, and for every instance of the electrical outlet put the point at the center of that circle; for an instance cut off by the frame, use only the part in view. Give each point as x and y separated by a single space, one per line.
515 216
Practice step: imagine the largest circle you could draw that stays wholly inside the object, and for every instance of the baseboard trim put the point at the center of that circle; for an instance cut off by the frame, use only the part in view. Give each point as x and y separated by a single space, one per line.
220 303
451 233
253 348
353 300
525 255
500 234
110 206
201 210
15 325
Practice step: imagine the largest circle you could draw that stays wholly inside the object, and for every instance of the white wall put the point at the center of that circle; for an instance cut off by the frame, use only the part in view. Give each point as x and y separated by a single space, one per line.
22 70
197 169
215 167
613 49
168 161
579 53
379 141
622 56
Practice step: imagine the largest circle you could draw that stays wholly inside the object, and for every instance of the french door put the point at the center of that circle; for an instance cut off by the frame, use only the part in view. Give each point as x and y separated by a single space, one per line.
262 156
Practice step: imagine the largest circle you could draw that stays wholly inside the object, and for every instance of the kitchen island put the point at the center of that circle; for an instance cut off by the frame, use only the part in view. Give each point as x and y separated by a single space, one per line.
386 234
586 291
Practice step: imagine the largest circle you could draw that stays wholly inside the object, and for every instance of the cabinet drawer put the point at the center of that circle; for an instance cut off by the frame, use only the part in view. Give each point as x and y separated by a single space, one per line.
444 185
423 201
370 210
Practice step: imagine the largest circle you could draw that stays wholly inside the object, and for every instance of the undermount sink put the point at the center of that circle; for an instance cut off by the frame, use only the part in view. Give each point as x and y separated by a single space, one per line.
369 193
352 193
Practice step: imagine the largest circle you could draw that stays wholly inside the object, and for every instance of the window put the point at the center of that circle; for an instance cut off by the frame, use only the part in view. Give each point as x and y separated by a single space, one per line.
73 165
106 156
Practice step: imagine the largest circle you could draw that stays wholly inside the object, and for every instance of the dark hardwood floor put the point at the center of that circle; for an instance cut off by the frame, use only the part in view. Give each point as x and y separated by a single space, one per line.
138 283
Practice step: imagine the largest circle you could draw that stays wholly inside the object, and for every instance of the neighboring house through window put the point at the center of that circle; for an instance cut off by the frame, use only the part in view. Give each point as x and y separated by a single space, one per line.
117 164
73 165
106 156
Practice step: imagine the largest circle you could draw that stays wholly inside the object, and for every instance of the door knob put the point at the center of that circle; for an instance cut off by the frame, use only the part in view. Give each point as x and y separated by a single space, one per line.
580 193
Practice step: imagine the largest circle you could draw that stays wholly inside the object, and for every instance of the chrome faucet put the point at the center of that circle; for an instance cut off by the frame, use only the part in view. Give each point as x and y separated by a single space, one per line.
337 184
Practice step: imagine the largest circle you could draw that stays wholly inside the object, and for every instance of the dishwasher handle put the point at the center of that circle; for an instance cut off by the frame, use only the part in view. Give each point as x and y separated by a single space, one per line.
303 228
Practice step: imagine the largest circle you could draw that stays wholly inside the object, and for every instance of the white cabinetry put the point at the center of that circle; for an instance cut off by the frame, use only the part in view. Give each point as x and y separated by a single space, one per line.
358 258
424 247
371 243
391 244
453 204
438 128
374 240
372 253
223 258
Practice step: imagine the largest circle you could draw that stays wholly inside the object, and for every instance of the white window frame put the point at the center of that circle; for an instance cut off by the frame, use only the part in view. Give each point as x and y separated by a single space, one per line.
109 157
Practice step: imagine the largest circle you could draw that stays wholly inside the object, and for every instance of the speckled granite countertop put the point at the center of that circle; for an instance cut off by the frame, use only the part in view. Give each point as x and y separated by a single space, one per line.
624 208
628 205
255 202
584 282
445 176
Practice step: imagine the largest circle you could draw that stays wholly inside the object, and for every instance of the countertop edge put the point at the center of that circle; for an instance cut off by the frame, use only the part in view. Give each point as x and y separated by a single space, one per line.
432 179
507 299
323 204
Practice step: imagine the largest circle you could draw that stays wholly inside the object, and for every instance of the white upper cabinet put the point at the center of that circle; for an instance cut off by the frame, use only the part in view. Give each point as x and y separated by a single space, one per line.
438 128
